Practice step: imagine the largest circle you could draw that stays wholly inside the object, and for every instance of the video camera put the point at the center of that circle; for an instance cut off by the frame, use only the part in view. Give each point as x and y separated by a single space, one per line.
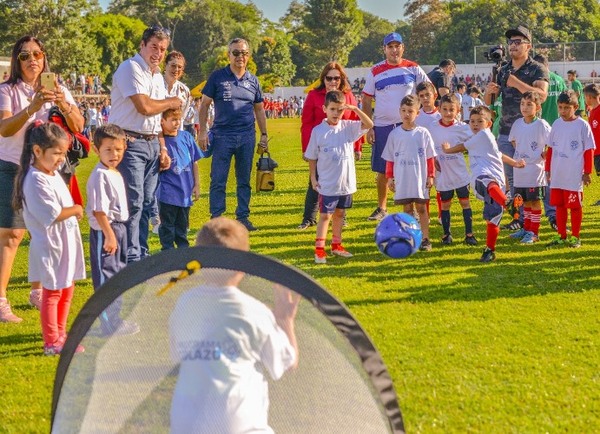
495 54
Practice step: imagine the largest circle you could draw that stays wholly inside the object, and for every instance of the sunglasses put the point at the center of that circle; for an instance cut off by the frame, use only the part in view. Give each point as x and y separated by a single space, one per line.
237 53
516 42
26 55
329 78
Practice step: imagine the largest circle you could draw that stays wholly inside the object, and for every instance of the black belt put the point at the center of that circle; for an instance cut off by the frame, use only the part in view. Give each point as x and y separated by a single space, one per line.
140 136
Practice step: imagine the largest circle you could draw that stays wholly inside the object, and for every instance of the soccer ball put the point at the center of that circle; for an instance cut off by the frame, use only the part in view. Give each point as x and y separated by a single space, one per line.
398 235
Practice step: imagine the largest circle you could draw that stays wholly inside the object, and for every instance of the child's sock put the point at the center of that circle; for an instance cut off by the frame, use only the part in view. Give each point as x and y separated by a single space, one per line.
492 235
527 218
561 221
497 194
536 217
320 244
446 221
335 242
468 218
576 219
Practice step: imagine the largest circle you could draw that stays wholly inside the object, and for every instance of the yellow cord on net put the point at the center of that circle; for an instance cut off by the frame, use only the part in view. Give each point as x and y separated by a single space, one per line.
190 269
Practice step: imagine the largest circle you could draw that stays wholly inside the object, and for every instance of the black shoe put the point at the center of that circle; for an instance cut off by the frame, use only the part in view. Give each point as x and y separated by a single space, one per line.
425 245
248 225
488 255
378 214
305 225
447 239
553 224
515 225
470 240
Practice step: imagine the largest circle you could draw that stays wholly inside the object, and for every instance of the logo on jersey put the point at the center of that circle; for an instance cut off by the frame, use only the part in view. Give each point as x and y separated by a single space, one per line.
595 123
421 152
534 146
573 198
574 145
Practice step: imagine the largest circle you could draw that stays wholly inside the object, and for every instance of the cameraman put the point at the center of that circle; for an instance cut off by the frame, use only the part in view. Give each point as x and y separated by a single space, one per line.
519 75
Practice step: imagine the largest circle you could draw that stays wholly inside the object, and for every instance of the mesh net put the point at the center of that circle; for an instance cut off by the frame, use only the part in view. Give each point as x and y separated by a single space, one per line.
210 358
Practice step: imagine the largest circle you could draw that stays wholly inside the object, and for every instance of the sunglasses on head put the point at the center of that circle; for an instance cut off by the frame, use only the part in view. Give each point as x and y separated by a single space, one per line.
330 78
237 53
26 55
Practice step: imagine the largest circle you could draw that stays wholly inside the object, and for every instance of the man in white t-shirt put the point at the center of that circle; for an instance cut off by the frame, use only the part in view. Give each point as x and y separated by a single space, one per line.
138 98
387 83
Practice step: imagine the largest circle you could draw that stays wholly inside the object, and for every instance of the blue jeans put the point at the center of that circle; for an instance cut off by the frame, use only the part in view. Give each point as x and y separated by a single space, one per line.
140 173
226 146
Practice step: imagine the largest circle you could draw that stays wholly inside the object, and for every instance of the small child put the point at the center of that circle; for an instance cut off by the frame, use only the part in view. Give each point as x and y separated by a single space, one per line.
107 213
569 167
330 153
487 173
179 185
592 100
469 101
529 136
452 175
56 251
410 169
428 112
226 341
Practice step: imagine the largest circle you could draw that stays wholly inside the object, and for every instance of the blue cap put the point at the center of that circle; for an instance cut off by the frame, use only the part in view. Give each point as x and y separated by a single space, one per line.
392 37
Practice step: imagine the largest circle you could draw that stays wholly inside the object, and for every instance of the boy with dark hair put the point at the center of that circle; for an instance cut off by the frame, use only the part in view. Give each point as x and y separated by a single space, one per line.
575 85
330 153
410 168
428 112
569 167
487 173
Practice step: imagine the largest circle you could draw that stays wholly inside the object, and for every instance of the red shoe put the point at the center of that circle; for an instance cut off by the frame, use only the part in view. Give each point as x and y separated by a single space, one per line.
320 256
340 251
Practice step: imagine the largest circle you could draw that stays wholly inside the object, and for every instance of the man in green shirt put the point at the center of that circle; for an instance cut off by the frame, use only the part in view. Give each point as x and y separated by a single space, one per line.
578 88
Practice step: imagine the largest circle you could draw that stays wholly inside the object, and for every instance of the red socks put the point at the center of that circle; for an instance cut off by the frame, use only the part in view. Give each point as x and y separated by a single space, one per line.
492 235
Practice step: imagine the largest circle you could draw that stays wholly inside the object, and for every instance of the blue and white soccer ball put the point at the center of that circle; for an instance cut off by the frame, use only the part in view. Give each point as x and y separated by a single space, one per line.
398 235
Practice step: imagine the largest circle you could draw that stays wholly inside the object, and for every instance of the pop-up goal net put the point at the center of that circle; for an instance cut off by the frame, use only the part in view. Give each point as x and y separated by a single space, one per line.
210 355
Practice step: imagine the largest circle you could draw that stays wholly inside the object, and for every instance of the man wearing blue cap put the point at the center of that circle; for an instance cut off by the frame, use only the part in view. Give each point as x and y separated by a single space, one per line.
387 82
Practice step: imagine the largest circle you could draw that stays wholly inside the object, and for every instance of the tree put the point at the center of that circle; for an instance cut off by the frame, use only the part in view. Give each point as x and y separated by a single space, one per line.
273 57
428 19
369 49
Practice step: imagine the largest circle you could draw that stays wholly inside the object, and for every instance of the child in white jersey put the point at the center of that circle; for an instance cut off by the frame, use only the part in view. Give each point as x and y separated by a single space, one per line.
569 167
56 251
487 173
529 136
452 175
330 153
428 112
410 168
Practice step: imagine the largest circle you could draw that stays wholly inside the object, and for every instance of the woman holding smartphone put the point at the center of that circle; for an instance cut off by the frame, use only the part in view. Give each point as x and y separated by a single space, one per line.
23 100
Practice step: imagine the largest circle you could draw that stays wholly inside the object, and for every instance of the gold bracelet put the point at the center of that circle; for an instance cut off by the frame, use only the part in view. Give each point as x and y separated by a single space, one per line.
27 112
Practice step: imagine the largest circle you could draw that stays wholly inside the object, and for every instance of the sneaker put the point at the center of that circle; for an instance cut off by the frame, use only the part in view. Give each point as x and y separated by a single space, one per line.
378 214
553 224
61 343
557 241
529 238
470 240
52 349
425 245
305 225
248 225
574 242
513 225
320 256
447 239
35 298
488 255
340 251
518 234
6 314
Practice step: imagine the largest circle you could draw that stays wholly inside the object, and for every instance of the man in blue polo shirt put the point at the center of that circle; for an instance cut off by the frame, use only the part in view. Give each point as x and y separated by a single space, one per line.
238 103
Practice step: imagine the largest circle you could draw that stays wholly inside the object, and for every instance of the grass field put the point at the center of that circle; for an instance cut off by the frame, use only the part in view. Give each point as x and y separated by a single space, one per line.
511 346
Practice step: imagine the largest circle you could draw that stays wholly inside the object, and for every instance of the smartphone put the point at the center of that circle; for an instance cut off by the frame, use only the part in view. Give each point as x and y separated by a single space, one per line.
48 79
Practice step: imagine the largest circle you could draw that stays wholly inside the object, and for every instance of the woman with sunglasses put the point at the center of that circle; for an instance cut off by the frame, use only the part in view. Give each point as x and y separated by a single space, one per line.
22 101
333 77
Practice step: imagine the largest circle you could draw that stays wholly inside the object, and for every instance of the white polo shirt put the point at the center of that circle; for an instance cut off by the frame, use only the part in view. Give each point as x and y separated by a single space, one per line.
134 77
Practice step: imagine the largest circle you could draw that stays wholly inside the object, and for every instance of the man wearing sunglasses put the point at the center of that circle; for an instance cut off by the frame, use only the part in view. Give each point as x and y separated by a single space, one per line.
138 98
521 74
238 102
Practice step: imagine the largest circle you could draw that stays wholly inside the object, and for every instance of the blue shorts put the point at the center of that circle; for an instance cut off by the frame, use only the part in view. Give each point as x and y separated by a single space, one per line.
461 193
328 204
381 136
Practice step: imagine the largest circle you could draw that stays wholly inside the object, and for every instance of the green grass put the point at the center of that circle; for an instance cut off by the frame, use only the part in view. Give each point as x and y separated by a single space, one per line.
512 346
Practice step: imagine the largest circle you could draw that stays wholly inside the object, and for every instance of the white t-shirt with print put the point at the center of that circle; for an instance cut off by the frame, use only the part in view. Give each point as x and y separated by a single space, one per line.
454 172
530 140
485 158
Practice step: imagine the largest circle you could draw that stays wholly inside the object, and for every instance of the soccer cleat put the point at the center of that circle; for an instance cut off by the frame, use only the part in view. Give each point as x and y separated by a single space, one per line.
488 255
320 256
470 240
248 225
518 234
6 314
529 238
573 242
340 251
513 225
553 224
305 225
35 298
425 245
378 214
557 241
447 239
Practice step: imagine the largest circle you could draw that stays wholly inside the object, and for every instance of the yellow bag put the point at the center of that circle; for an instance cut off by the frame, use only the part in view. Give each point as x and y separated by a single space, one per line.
265 175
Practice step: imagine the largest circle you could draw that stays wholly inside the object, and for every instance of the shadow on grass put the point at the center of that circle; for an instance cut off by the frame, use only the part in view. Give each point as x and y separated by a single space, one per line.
21 345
